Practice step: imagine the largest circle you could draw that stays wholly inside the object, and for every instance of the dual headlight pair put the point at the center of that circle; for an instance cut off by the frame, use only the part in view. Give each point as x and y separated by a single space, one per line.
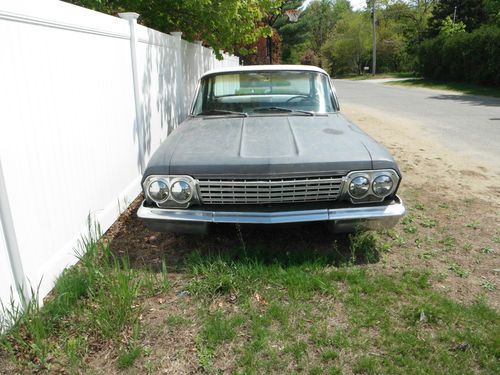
166 190
371 185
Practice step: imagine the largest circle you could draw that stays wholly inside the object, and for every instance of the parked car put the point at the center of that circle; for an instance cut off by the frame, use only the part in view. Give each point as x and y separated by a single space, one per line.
269 145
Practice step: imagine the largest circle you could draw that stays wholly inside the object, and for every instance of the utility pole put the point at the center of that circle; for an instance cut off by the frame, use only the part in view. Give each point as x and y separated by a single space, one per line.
374 40
454 14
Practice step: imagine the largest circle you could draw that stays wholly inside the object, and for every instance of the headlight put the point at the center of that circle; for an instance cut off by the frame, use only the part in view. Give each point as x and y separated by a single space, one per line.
370 186
382 185
359 187
181 191
170 191
158 191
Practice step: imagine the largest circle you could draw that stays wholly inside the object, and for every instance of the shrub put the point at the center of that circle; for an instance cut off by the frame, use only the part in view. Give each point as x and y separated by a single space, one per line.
469 57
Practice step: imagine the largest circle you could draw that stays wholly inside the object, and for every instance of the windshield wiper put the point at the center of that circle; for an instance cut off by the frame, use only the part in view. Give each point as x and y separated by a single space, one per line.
222 112
282 109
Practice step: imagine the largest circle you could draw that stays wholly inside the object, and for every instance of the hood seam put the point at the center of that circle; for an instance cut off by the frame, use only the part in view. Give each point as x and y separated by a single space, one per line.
369 153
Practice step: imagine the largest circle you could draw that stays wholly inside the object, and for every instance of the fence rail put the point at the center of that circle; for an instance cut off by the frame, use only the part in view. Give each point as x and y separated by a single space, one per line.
86 98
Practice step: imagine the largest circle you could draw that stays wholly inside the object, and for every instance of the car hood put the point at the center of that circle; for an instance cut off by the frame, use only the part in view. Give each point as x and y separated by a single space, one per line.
274 145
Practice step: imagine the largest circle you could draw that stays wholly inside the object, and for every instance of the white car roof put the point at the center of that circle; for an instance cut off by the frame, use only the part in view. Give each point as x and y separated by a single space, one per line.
267 68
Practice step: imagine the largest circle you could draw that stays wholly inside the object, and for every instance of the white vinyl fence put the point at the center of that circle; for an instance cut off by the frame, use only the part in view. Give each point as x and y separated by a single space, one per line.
85 99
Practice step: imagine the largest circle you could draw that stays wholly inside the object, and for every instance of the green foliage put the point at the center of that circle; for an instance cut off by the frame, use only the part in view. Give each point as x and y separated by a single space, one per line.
365 245
294 35
228 25
472 13
92 302
342 38
219 328
303 41
449 28
470 57
127 357
349 48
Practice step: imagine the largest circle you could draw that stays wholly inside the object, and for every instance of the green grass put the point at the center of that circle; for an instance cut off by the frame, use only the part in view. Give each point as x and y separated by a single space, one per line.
92 305
175 320
397 323
260 310
466 88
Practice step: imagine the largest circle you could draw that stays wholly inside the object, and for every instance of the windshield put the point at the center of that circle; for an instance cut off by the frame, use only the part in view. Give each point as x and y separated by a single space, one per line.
264 92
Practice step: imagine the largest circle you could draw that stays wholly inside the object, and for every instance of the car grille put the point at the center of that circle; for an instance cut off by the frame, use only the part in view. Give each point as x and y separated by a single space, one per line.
259 191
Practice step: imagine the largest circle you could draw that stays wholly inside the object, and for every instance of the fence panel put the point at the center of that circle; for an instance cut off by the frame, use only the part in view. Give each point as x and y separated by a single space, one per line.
70 142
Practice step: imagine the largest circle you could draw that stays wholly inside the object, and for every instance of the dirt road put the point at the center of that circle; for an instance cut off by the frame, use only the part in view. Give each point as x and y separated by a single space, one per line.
428 162
466 124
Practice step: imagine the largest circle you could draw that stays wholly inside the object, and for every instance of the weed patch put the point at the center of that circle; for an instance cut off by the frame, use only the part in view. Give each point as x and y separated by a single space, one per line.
93 305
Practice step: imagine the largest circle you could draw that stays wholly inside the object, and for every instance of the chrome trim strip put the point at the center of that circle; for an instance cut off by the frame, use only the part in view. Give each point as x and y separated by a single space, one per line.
389 212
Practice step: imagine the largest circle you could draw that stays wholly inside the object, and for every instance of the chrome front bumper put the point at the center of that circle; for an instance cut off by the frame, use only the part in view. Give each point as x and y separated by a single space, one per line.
343 219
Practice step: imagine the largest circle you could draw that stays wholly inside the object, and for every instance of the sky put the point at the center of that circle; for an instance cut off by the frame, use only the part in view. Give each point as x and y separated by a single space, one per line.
356 4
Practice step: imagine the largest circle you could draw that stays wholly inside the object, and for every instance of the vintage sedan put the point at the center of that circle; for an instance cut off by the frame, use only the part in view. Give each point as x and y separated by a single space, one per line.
268 145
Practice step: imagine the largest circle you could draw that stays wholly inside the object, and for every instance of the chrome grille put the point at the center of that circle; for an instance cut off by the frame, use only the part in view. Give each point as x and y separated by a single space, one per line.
259 191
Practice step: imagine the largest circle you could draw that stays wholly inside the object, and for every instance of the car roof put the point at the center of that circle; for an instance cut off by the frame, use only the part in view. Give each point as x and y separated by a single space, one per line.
264 68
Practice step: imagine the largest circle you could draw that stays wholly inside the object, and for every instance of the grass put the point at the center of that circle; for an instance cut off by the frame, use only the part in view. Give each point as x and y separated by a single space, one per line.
93 305
466 88
331 311
254 309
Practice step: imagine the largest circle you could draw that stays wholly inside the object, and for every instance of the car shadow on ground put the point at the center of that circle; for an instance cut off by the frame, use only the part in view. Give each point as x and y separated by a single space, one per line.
287 245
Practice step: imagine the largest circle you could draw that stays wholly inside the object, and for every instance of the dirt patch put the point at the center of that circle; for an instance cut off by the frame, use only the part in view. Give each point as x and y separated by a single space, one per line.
455 205
6 366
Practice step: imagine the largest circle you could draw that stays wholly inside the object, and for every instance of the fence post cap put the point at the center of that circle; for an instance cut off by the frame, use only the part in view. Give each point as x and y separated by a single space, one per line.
176 34
129 15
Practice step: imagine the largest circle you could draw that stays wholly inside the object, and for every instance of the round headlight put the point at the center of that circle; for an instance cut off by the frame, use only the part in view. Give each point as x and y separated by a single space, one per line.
158 191
382 185
359 186
181 191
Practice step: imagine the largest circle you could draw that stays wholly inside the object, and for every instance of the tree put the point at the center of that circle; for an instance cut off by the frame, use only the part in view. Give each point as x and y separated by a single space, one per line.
309 58
293 34
312 30
472 13
320 22
492 9
392 52
228 25
413 15
349 46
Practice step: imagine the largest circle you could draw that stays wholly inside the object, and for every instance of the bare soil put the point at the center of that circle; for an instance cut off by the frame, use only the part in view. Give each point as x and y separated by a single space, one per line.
461 195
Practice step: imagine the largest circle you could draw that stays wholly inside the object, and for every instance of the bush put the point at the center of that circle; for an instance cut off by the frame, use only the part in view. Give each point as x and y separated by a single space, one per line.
469 57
